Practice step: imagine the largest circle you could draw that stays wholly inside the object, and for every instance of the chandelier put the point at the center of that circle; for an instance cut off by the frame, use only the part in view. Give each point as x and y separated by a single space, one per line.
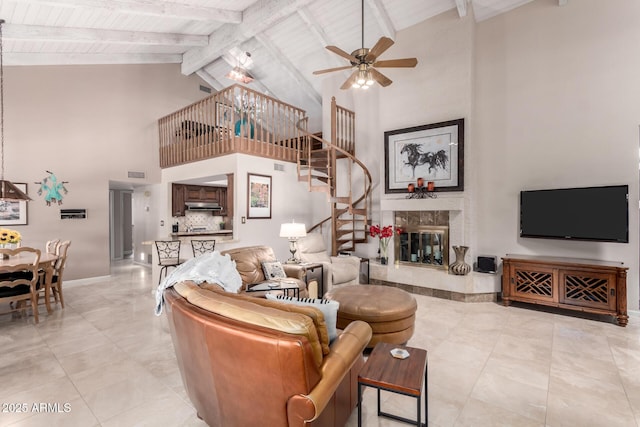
239 73
8 191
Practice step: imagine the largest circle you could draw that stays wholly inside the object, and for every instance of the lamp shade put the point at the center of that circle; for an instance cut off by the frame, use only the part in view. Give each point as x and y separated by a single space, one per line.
293 229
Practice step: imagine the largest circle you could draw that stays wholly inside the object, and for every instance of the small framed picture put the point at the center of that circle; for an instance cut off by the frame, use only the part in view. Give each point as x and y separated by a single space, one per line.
14 213
258 196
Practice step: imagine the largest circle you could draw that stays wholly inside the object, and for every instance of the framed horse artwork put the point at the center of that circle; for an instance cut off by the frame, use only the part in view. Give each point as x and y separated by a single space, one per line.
427 153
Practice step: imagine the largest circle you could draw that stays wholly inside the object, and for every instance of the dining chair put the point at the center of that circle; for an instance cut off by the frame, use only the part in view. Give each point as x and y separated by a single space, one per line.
19 281
201 247
51 247
58 269
168 255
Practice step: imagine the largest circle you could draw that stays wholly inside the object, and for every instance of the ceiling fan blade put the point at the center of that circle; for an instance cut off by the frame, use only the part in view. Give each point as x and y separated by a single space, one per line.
378 49
329 70
342 53
352 78
405 62
380 78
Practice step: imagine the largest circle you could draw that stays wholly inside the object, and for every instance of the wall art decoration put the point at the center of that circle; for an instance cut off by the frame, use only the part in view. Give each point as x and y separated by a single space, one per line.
259 196
14 213
52 189
433 152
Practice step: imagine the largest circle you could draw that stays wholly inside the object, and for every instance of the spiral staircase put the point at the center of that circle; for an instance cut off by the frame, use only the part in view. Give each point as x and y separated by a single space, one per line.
331 167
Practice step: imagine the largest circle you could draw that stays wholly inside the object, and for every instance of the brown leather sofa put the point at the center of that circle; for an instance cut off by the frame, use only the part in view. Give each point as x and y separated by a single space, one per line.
249 361
249 264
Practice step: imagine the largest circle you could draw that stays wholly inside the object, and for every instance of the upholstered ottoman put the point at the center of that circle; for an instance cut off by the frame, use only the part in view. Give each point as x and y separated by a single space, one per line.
391 312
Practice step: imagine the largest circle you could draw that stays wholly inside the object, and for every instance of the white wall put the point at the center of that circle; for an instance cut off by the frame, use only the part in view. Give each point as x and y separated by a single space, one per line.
550 99
89 125
557 106
290 199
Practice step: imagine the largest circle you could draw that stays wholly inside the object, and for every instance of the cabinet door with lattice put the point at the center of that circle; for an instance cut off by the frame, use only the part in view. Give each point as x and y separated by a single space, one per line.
588 289
535 283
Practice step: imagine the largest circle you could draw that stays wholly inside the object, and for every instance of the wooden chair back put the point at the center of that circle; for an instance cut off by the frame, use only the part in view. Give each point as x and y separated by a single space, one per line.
51 247
19 281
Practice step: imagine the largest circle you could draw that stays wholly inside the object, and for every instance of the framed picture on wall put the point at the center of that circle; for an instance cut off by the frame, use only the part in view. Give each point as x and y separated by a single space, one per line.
14 213
433 152
258 196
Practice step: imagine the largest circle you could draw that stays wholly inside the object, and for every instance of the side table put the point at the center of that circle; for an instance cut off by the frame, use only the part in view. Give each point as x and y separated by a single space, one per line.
312 271
404 376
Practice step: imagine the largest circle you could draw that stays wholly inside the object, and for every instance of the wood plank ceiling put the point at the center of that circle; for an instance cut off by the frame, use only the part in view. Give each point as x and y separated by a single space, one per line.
285 38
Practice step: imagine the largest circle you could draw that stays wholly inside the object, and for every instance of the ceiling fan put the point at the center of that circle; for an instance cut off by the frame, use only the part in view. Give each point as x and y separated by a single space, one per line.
365 62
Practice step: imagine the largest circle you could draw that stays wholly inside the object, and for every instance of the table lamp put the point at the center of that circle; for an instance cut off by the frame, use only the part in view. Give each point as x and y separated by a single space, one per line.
292 231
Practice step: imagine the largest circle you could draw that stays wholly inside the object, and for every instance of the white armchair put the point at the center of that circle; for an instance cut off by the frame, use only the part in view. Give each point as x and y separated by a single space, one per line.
337 270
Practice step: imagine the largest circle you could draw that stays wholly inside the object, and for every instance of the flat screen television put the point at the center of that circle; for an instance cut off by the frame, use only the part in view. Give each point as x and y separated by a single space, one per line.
591 213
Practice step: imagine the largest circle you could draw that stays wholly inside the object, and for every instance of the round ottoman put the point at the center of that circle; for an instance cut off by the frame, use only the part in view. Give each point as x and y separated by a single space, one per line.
391 312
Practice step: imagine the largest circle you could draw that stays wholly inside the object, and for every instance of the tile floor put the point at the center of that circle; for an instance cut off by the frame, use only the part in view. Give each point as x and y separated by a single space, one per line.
110 360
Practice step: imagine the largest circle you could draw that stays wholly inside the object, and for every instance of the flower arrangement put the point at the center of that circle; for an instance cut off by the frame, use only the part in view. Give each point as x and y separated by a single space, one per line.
385 234
9 236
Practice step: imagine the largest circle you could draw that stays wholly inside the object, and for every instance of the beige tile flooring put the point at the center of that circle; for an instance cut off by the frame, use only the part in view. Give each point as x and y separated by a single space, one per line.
110 359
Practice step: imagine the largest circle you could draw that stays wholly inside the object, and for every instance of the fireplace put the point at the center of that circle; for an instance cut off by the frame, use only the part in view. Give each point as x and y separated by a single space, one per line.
422 239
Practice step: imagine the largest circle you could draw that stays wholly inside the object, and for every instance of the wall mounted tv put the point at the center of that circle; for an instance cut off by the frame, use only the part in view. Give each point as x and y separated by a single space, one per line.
591 213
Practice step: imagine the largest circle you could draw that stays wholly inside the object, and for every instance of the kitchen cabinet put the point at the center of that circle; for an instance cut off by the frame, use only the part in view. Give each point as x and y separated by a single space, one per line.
182 193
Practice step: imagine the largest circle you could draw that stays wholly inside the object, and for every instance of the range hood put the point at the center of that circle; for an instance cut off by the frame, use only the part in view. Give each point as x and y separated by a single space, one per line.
203 206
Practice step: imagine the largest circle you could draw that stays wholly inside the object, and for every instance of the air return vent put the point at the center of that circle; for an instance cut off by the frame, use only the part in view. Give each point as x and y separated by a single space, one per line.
278 167
132 174
205 89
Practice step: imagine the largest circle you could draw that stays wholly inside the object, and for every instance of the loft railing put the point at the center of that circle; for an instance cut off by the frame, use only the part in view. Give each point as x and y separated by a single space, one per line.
234 120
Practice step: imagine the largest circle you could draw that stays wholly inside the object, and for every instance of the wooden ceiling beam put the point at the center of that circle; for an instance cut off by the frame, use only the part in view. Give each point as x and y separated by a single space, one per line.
289 67
89 58
85 35
383 18
210 80
156 8
462 8
257 18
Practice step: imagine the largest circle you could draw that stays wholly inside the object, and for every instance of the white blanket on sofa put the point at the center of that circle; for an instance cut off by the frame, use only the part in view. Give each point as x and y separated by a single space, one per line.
211 267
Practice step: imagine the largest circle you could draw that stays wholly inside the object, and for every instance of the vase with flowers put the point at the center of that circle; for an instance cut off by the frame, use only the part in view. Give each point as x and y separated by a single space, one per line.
9 239
384 234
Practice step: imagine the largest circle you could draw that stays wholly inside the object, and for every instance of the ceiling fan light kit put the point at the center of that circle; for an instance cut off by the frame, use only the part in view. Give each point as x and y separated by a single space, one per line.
365 64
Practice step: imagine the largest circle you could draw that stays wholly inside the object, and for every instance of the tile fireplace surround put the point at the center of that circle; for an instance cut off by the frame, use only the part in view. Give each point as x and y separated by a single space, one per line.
425 280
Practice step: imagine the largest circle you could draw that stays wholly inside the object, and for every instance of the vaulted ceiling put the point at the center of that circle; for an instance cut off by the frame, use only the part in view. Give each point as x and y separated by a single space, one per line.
285 38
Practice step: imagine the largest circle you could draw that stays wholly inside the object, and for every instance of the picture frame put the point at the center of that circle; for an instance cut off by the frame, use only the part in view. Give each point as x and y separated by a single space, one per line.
14 213
258 196
224 115
433 152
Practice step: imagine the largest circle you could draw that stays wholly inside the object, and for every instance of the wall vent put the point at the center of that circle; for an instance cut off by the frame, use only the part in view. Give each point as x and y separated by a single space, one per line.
205 89
278 167
132 174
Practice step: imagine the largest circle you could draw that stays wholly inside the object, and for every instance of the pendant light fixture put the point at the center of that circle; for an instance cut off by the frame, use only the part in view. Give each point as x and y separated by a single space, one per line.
8 191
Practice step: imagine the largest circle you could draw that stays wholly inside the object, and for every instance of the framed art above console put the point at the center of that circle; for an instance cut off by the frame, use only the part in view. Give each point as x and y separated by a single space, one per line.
433 152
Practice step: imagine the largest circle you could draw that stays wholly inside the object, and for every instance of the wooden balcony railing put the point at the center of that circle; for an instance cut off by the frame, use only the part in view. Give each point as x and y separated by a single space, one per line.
234 120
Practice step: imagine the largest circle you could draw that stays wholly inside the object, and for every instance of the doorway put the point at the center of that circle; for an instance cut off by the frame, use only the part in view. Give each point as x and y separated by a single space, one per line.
120 224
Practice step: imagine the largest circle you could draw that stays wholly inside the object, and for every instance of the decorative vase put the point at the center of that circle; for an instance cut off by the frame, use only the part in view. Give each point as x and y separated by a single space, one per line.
459 267
244 128
7 246
383 253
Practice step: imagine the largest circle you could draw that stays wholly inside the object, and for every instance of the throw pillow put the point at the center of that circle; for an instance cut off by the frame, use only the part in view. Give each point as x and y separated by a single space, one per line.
273 270
329 309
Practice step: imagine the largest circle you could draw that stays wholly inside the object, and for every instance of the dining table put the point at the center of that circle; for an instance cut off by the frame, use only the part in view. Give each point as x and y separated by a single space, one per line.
45 263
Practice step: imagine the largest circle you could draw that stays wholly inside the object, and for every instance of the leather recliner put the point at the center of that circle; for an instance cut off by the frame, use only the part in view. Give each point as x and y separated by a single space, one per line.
337 270
248 361
249 260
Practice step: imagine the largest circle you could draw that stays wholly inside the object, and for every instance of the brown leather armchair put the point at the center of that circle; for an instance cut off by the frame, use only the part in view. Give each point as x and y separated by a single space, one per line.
249 264
248 361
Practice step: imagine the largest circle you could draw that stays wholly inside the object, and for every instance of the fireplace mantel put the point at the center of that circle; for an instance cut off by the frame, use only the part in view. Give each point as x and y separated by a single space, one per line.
437 204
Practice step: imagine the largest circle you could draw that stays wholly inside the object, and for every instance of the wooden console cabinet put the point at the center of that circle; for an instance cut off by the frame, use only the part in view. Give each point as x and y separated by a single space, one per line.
598 287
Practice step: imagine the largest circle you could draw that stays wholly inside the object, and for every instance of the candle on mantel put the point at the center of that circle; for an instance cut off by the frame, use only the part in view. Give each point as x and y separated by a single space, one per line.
430 186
